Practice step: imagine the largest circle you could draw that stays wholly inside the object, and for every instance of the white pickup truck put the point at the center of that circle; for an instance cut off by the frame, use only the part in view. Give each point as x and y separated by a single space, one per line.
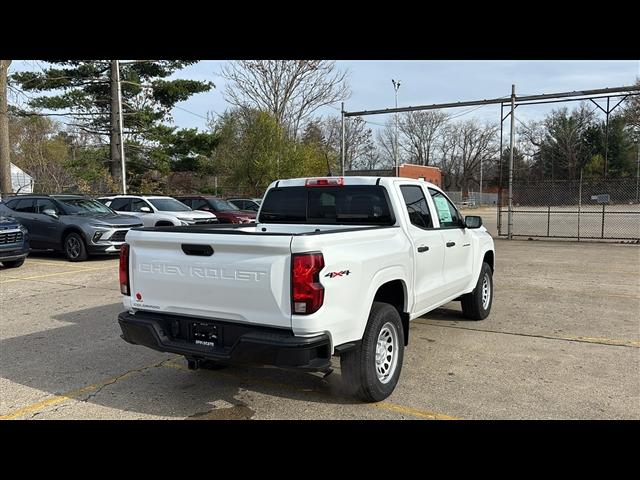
333 266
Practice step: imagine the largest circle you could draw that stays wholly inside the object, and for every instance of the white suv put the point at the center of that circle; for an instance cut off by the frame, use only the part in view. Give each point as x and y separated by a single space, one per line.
158 211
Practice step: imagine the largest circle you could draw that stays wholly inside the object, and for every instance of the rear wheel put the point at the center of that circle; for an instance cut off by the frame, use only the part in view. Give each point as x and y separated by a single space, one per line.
13 263
74 248
477 304
371 370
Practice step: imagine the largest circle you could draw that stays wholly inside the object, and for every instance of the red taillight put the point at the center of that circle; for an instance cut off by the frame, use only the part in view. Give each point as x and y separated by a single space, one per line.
307 294
325 182
124 269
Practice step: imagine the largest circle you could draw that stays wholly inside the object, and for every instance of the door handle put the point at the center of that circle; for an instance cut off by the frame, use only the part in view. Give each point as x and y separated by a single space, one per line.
199 250
450 244
422 249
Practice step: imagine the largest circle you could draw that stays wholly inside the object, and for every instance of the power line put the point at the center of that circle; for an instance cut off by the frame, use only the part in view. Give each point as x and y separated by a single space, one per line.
189 111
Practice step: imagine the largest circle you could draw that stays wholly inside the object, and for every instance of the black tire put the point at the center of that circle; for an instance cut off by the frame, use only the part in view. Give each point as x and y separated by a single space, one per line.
74 247
359 367
473 305
13 263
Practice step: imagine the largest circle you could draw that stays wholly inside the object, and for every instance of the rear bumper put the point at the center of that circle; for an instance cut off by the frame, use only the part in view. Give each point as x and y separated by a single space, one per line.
237 343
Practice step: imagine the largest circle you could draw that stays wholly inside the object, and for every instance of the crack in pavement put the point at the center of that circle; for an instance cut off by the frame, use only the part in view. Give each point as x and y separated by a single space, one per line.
75 394
124 375
598 341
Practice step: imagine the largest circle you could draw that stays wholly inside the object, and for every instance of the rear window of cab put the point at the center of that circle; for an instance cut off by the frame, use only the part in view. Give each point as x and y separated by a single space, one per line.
328 205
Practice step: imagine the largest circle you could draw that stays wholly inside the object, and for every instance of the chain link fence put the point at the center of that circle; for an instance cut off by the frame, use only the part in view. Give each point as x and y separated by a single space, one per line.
590 209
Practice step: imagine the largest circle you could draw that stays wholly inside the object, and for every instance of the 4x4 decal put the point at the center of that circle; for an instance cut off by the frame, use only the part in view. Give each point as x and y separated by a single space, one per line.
337 274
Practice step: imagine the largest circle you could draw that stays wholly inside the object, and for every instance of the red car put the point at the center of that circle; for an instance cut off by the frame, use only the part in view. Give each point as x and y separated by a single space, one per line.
225 211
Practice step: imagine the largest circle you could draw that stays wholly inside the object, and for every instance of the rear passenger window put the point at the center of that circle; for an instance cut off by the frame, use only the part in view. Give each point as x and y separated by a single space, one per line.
447 213
120 205
417 206
25 205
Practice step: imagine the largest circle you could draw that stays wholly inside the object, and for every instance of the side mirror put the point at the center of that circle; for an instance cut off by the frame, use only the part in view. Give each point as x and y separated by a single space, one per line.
50 212
145 209
472 221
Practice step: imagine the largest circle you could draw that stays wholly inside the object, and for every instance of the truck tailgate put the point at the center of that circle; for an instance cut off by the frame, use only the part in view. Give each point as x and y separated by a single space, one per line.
245 279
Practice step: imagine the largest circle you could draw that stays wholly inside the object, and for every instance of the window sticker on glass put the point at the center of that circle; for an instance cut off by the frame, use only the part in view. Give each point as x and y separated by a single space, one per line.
444 214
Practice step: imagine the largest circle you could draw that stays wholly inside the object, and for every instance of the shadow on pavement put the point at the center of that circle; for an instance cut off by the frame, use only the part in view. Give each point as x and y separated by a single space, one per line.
89 350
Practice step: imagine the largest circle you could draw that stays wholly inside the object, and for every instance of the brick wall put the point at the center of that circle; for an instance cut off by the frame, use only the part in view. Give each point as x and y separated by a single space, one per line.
430 174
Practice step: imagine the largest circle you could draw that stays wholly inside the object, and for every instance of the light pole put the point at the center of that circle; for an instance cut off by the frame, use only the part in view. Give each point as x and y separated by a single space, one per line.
396 86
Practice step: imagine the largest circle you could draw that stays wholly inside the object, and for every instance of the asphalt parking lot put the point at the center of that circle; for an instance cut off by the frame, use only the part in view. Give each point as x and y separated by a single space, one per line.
562 341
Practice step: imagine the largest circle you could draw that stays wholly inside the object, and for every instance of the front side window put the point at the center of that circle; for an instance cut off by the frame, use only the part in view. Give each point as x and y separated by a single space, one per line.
137 204
417 206
447 213
43 204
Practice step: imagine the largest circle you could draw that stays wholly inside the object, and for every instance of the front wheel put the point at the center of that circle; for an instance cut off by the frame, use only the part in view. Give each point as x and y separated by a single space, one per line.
371 370
477 304
75 248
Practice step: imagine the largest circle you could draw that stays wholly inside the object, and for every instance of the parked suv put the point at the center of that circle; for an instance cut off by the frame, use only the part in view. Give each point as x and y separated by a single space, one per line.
251 204
158 211
75 225
225 211
14 242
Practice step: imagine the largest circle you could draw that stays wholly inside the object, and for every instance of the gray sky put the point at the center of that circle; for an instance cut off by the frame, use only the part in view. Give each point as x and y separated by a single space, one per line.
426 82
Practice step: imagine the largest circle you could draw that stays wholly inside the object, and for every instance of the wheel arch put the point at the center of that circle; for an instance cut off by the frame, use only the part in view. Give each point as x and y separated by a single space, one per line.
72 229
392 289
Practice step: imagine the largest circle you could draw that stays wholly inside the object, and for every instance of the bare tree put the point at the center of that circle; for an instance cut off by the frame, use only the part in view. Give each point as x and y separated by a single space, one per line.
420 132
358 140
5 162
291 90
385 139
464 145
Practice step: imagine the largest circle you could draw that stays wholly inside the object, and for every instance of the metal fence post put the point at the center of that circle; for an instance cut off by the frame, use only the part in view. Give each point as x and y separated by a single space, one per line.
602 235
499 219
342 142
579 203
548 218
513 126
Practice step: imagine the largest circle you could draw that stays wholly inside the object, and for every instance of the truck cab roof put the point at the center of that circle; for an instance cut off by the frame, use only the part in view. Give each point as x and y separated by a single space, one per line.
348 180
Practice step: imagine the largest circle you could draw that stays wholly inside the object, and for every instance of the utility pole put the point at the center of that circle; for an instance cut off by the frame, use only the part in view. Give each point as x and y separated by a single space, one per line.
480 200
342 150
512 142
396 86
5 162
117 138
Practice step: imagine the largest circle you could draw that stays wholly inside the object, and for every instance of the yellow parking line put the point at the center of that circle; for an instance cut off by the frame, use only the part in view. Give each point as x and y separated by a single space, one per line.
172 363
73 395
380 405
568 292
608 341
16 279
413 411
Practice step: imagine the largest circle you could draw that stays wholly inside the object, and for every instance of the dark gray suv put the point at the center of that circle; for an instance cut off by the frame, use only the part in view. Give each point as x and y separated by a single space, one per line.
75 225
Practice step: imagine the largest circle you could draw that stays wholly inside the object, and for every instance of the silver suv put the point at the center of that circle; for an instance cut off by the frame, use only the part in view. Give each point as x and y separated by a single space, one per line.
155 211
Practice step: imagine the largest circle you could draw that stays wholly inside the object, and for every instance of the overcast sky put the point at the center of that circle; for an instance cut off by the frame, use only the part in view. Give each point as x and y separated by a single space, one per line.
426 82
